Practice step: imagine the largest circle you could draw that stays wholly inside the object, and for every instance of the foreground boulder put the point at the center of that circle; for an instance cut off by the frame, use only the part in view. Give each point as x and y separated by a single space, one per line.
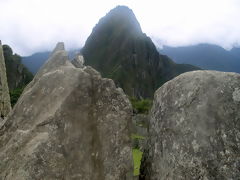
5 104
69 124
195 128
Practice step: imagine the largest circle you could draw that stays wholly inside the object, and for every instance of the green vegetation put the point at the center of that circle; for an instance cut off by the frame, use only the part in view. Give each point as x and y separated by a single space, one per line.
137 157
18 75
142 106
119 50
137 154
15 94
136 136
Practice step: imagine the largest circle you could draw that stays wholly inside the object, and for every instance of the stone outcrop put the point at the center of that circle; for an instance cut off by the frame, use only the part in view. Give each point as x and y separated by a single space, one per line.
195 128
5 105
69 123
78 61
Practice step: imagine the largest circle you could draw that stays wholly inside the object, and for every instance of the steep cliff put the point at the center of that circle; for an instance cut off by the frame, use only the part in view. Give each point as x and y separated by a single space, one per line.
17 74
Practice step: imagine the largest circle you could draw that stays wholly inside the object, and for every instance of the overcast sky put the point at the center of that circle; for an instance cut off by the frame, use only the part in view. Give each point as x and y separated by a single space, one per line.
29 26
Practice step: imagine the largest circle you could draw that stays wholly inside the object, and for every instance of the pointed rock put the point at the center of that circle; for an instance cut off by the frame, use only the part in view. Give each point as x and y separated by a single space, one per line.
58 58
5 104
69 124
59 47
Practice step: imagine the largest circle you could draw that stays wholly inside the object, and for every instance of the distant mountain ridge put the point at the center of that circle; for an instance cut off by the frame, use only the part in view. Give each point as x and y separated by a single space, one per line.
37 60
206 56
119 49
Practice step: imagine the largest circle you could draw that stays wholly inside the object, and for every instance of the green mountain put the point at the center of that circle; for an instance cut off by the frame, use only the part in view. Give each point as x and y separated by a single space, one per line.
119 49
18 75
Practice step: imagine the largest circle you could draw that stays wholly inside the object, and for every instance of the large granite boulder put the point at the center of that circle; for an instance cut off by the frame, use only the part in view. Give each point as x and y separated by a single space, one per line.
69 123
195 128
5 104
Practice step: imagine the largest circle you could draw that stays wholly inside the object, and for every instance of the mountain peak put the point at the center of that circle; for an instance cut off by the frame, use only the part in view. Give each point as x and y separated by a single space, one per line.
119 49
119 20
121 10
59 47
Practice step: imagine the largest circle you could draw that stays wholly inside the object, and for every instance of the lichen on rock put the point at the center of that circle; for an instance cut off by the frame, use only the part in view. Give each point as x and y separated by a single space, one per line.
236 95
195 128
69 123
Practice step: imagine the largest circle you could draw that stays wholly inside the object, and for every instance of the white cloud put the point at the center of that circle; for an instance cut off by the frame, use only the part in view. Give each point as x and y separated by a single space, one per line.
36 25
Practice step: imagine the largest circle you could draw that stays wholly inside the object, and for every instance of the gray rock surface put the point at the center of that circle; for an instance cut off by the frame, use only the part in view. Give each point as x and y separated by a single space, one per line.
140 124
78 61
69 123
195 128
5 104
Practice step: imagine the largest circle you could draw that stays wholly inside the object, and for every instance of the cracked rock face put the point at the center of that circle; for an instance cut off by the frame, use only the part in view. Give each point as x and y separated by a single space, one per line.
195 128
78 61
5 104
69 124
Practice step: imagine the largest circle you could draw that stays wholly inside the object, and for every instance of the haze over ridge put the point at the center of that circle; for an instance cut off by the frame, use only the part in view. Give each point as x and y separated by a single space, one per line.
32 26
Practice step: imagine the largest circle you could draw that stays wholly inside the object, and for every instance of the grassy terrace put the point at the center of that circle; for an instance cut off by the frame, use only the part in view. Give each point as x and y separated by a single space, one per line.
137 156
